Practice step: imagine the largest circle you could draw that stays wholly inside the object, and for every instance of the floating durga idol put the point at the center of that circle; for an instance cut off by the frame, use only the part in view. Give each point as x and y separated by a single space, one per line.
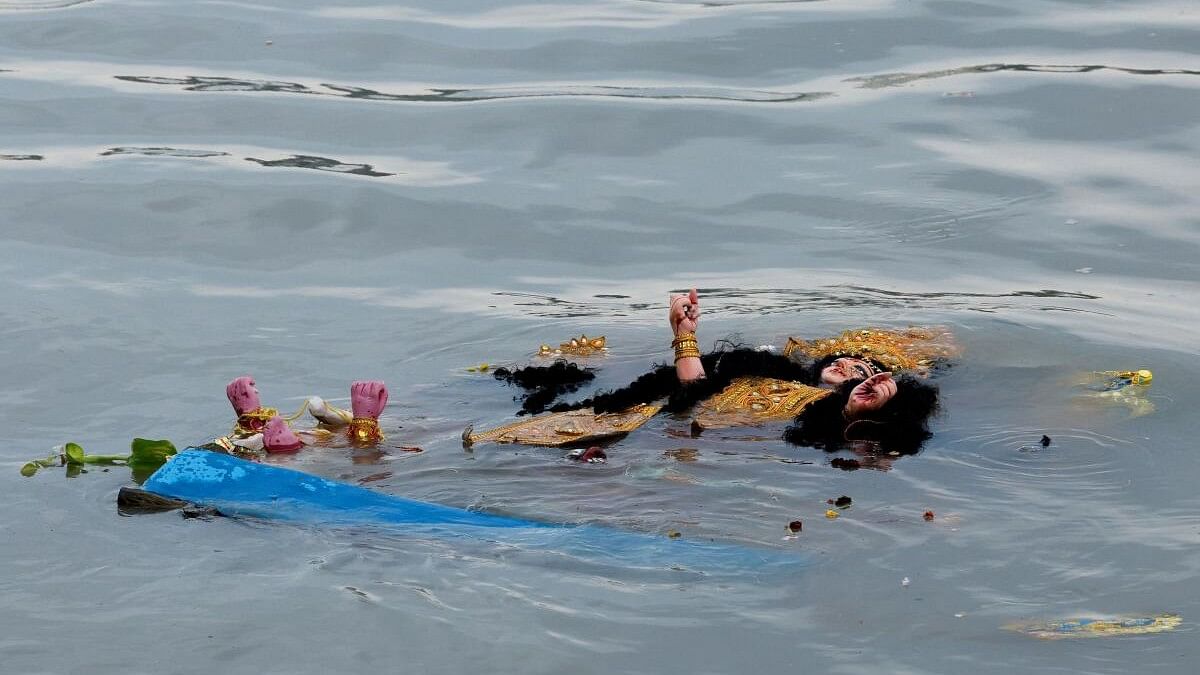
240 488
740 387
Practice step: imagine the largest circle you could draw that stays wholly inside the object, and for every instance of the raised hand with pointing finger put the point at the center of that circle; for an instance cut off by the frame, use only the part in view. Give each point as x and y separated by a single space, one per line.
684 316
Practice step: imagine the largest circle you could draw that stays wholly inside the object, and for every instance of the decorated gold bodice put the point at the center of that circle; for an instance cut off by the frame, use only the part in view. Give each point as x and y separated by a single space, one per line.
755 400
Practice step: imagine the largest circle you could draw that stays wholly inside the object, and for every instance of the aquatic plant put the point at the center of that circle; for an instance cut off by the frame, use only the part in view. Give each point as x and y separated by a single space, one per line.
145 456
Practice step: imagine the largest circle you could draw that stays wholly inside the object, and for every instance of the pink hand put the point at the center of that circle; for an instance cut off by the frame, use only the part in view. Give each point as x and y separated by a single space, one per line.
243 395
684 314
277 437
368 398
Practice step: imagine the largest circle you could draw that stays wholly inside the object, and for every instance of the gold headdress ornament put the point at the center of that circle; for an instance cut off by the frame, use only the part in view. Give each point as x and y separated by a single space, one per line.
754 400
575 426
580 346
897 350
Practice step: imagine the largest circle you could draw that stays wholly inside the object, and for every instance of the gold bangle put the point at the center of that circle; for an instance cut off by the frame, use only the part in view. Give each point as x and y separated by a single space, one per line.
365 430
683 352
683 337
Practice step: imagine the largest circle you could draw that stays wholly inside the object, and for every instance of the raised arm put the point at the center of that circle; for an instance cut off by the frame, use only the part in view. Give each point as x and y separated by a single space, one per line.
684 316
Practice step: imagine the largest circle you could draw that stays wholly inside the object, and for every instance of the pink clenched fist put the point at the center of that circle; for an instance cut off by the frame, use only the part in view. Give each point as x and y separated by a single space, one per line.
684 314
277 437
368 398
243 395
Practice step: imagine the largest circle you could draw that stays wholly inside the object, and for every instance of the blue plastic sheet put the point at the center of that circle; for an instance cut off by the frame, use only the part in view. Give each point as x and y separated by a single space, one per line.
237 487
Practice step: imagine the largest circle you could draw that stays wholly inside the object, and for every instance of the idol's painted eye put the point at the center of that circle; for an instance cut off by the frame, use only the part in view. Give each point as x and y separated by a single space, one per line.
861 370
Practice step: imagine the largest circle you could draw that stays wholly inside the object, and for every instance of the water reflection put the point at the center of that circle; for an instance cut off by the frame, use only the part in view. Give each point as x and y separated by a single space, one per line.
163 152
719 301
321 164
752 301
448 95
6 5
900 79
665 92
729 3
412 171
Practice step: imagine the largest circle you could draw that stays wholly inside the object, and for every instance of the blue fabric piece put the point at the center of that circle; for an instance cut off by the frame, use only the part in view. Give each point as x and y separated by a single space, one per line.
237 487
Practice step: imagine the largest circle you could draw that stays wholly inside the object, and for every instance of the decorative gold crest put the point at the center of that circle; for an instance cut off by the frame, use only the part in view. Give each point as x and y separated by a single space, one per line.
580 346
909 349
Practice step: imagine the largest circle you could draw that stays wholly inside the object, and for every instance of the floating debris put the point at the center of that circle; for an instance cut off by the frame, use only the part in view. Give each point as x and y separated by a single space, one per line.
928 516
795 526
481 368
1099 627
841 502
682 454
831 514
1126 387
674 534
845 464
1045 441
905 582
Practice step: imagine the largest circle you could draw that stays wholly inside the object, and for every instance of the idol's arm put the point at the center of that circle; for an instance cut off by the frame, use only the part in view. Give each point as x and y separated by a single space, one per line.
684 316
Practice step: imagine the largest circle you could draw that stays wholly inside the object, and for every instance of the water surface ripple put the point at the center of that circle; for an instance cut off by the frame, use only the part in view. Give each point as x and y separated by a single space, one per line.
313 192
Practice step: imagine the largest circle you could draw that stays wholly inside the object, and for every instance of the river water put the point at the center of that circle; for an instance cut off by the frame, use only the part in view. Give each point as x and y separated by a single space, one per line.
317 192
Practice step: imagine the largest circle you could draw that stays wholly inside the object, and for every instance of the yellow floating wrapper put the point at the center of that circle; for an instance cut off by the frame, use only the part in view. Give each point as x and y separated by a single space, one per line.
1094 627
831 514
1140 377
1126 387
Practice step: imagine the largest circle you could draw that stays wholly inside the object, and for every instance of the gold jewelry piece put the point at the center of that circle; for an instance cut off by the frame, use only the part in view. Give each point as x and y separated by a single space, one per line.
253 421
683 337
565 428
685 346
580 346
365 430
754 400
897 350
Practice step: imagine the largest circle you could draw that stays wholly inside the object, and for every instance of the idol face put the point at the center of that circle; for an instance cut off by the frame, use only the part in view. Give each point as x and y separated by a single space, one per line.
870 395
845 369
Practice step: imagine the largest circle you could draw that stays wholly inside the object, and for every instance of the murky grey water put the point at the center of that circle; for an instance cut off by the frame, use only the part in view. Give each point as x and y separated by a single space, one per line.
313 192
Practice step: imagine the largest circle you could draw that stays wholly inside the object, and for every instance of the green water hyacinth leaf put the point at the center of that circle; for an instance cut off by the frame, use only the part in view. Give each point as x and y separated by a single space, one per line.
31 467
144 458
146 453
73 454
